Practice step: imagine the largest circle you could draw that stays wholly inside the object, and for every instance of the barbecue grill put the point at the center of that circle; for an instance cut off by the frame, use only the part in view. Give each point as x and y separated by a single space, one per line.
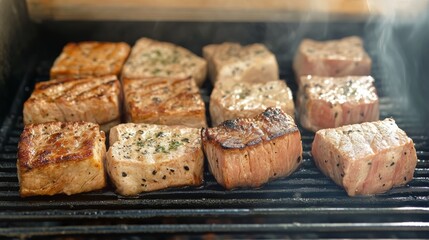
306 204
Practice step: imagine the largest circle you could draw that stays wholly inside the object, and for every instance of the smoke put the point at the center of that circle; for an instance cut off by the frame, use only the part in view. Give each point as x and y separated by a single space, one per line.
397 34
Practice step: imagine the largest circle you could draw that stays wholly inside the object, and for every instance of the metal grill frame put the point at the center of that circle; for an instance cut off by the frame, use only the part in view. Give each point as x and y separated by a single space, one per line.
305 204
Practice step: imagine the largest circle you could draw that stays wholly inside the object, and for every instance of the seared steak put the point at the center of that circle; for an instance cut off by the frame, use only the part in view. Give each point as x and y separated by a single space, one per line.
61 157
164 101
91 99
90 59
248 152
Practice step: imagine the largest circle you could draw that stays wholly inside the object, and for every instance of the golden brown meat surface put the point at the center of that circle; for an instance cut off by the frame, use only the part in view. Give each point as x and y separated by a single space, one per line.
61 157
367 158
91 99
164 101
248 152
90 59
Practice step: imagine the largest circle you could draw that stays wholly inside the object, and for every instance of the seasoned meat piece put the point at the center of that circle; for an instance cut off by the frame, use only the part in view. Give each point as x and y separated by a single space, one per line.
150 58
367 158
233 99
328 102
90 59
144 157
91 99
164 101
231 61
61 157
334 58
248 152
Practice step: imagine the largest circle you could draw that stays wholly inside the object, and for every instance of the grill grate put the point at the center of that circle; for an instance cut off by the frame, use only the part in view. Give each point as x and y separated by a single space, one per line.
305 204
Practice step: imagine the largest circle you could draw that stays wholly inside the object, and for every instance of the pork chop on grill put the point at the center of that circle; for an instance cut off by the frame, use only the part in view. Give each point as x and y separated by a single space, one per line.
367 158
248 152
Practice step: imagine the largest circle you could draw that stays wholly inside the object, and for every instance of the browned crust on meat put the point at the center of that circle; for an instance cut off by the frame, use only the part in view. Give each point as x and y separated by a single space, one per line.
85 59
250 152
55 150
90 99
255 165
164 101
244 132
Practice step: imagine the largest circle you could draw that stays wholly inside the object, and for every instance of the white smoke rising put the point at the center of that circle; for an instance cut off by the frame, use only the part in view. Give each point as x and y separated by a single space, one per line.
397 33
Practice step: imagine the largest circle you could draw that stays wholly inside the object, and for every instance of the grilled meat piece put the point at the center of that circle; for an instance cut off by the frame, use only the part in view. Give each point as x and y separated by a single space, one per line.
231 61
164 101
367 158
144 157
248 152
90 59
150 58
61 157
233 99
328 102
334 58
91 99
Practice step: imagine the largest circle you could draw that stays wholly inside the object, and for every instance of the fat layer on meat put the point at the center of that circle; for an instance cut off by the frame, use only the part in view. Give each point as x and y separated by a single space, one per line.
90 59
328 102
233 99
91 99
334 58
248 152
61 157
145 157
164 101
231 61
150 58
367 158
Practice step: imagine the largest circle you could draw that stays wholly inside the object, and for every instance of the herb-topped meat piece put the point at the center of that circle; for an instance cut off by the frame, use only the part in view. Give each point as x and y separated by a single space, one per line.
145 157
150 58
234 99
